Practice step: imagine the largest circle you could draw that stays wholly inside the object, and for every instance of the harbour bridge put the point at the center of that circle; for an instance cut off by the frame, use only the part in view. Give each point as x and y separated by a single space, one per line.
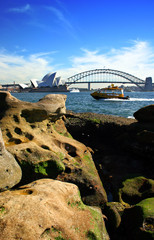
109 76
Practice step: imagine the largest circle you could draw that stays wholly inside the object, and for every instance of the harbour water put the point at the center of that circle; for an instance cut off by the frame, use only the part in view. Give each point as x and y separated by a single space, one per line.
83 102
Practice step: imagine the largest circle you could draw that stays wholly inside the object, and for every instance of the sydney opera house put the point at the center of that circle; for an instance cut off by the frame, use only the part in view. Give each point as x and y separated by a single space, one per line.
49 83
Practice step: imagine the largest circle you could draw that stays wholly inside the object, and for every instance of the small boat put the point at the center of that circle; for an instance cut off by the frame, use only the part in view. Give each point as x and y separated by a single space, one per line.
111 92
74 90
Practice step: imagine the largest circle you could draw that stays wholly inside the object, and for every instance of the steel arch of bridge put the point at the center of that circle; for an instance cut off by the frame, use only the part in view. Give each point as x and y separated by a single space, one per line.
79 78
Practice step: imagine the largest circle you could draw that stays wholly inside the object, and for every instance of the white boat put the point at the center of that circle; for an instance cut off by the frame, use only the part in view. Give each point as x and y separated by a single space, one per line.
74 90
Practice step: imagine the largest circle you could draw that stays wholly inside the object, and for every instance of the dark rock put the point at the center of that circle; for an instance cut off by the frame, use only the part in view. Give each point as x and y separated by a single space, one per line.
122 148
113 211
145 114
138 221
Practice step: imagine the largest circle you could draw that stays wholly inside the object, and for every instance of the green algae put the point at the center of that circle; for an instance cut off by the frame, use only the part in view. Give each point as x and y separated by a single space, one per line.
147 206
41 168
2 210
31 171
96 221
62 132
89 163
98 230
61 156
95 120
136 189
49 168
48 234
60 238
77 202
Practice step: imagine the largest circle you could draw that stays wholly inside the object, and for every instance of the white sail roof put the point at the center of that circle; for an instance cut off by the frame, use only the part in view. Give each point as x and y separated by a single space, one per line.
23 86
34 83
58 81
48 80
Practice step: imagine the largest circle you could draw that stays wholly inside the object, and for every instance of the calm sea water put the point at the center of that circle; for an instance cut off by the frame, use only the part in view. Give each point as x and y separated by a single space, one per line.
83 102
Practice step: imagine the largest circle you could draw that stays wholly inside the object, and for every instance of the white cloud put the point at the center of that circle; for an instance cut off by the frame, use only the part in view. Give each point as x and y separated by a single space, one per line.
21 69
138 60
22 9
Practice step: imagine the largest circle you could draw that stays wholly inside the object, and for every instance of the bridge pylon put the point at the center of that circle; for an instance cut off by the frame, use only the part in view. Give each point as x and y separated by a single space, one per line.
148 84
89 86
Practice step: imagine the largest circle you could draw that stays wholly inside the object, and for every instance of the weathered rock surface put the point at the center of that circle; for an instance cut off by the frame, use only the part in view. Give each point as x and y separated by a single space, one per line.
136 189
10 171
48 209
145 114
52 103
36 135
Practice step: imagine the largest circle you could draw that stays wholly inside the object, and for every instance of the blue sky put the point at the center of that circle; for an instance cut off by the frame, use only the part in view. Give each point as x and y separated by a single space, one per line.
70 36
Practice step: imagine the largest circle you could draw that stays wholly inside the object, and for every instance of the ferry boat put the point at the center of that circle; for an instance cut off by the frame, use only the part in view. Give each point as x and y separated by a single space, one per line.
109 93
74 90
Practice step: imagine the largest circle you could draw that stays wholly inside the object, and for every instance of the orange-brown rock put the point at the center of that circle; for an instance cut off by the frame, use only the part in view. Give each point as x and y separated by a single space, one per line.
36 135
48 209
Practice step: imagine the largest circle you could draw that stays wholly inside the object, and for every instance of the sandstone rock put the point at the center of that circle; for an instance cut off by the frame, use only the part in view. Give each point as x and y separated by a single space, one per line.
145 114
48 209
37 137
10 171
53 103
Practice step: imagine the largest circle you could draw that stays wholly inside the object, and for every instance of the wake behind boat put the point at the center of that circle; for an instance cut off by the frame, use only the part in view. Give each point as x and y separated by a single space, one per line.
110 92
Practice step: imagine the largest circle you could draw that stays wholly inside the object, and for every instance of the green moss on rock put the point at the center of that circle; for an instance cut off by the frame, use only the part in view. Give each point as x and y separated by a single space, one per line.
98 230
2 210
147 207
49 168
136 189
31 171
89 162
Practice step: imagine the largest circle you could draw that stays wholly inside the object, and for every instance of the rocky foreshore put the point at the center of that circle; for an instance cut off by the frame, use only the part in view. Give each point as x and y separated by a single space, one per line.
69 176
